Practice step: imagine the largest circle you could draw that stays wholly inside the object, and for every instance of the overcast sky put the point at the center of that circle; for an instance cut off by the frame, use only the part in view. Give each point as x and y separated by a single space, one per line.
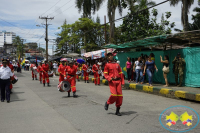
22 16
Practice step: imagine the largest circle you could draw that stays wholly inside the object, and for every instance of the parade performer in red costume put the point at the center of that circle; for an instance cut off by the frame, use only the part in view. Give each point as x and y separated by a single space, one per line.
12 70
114 75
45 69
71 78
61 70
33 74
39 69
95 69
85 74
77 67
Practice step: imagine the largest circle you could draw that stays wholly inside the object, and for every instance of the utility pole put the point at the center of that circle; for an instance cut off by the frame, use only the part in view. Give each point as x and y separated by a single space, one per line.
23 40
105 28
46 38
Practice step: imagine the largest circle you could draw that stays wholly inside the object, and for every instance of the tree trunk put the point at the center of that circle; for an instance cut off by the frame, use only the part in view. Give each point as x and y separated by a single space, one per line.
112 25
185 15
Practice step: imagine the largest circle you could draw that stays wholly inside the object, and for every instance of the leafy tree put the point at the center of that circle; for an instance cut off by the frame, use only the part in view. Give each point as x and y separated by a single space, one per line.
73 36
141 25
186 4
18 42
196 20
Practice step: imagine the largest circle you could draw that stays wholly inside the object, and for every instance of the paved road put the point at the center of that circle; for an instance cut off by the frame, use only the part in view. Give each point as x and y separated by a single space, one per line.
38 109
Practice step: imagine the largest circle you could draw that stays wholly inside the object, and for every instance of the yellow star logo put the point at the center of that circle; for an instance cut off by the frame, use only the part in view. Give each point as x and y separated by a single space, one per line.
189 124
169 124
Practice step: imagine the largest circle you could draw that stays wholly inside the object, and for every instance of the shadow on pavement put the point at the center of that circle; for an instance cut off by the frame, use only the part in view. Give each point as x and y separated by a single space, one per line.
17 92
125 113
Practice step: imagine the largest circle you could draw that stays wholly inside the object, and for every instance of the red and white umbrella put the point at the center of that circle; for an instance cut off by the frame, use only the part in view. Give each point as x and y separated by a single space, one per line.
63 59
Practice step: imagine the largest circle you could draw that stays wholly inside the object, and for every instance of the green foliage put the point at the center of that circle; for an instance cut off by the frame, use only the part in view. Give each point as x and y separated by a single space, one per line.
18 42
196 20
144 24
74 37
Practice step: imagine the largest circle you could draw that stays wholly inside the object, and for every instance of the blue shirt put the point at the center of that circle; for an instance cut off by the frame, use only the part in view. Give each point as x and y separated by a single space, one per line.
150 65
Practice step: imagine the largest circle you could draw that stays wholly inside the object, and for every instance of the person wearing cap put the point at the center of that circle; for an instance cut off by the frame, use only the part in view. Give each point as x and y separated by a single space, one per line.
45 69
113 73
95 70
61 70
179 64
5 80
71 77
85 74
33 74
39 69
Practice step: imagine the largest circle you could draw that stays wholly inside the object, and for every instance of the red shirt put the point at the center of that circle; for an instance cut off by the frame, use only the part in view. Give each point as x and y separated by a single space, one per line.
45 67
85 67
39 68
11 67
71 70
113 70
95 68
61 69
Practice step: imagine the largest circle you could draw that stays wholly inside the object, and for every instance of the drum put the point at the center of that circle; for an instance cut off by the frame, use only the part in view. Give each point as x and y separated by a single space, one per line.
78 73
35 70
100 72
50 73
89 70
64 86
14 79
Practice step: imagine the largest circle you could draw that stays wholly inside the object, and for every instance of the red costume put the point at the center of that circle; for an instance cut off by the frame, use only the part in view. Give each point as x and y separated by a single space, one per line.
113 70
45 69
77 77
71 77
33 75
85 74
12 78
39 69
61 70
95 69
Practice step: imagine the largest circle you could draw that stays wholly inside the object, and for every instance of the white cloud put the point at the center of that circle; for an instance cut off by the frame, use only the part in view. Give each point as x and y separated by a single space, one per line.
24 14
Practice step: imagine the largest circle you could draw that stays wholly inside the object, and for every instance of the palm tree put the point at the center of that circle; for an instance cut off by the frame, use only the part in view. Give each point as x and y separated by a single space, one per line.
186 4
87 6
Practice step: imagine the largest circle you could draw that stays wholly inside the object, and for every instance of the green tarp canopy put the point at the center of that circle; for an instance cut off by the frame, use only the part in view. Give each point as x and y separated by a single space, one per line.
191 71
152 41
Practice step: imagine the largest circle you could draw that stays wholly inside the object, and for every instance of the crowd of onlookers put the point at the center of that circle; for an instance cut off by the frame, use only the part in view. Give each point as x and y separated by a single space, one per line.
138 68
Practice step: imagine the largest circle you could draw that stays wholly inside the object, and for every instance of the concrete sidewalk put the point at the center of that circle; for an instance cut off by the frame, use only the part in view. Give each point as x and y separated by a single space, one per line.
188 93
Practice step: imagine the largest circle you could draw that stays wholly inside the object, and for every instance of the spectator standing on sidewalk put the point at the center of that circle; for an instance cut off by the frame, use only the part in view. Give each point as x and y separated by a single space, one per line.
165 68
149 68
179 64
128 69
138 69
55 67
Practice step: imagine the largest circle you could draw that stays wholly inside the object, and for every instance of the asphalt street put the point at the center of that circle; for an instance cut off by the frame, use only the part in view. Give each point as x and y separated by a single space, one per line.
37 109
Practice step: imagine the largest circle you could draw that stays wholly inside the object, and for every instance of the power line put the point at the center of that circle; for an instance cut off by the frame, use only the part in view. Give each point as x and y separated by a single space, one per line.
65 10
51 7
60 7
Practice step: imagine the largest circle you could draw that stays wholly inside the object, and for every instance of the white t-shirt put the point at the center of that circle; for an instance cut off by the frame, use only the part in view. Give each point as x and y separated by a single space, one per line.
138 65
55 65
5 72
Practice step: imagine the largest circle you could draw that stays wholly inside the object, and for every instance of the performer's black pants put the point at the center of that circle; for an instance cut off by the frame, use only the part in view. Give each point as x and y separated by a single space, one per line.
5 88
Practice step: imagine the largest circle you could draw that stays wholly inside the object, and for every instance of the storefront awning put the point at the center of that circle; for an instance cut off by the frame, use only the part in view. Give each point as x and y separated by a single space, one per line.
97 54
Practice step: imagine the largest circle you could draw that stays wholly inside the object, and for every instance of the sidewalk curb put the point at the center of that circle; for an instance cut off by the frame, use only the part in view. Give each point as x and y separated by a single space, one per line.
156 90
